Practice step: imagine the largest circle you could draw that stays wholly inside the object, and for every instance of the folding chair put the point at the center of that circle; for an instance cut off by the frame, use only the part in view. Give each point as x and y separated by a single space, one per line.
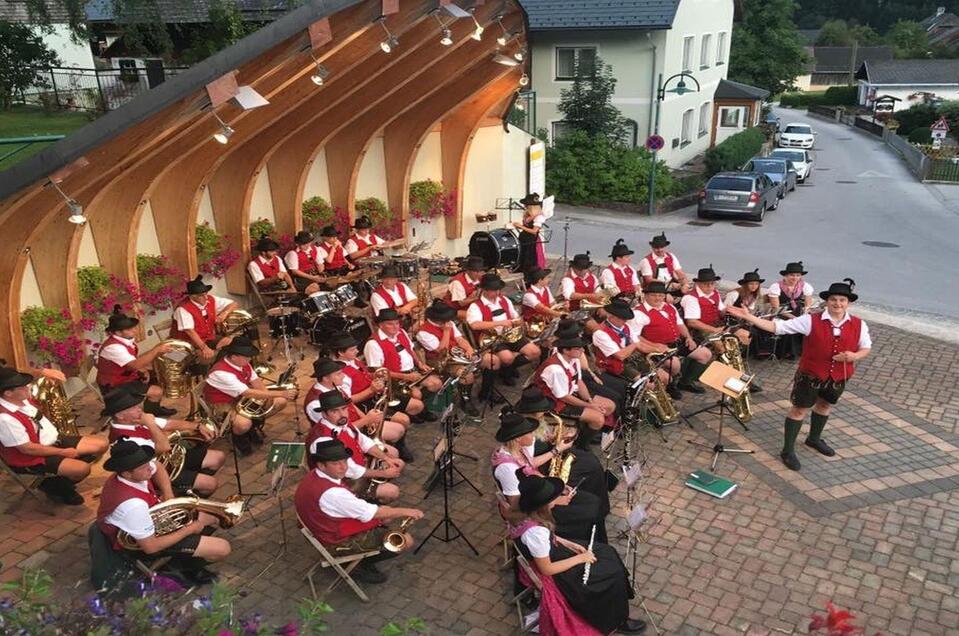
502 506
536 587
29 483
337 563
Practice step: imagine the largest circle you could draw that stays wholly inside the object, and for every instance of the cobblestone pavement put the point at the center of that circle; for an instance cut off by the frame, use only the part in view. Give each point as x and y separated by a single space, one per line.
873 529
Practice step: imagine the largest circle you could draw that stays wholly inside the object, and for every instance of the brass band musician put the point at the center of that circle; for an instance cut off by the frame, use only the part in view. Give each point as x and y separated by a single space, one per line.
464 287
267 269
302 263
196 318
439 336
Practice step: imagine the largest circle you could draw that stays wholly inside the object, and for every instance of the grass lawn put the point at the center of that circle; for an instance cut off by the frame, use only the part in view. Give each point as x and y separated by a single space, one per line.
28 121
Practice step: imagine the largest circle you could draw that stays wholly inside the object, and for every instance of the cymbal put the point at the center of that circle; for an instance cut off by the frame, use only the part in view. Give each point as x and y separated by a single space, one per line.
281 311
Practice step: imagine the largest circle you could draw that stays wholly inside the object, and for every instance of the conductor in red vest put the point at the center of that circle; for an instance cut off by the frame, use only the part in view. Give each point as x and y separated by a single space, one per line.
835 341
125 505
196 318
267 270
340 520
31 445
120 363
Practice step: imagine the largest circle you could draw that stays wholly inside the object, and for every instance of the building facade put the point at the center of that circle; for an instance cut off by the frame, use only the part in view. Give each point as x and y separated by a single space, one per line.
642 42
911 82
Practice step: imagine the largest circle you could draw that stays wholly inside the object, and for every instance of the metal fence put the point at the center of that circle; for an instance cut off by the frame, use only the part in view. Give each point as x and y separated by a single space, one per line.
946 170
869 126
914 157
95 89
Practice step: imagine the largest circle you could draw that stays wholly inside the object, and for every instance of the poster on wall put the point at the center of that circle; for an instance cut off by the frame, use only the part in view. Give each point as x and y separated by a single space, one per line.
537 168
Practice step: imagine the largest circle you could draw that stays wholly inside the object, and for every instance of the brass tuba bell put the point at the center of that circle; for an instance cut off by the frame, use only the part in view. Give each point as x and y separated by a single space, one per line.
171 515
54 405
171 370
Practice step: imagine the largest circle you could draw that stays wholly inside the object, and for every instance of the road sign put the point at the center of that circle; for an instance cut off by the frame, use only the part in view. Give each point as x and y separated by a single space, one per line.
940 125
655 142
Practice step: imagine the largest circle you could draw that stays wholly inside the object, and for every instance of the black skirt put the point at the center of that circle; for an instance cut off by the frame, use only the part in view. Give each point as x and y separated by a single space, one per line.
588 472
527 249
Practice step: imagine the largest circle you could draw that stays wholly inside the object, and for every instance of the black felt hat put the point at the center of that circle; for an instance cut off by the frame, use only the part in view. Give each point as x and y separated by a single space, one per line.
706 275
120 321
620 309
303 238
513 425
388 314
620 249
581 261
439 311
363 223
10 378
569 343
241 346
325 366
266 244
390 271
341 340
332 400
751 277
537 274
655 287
794 268
474 264
329 450
531 199
533 400
491 282
328 230
659 240
120 399
197 286
535 491
125 454
844 288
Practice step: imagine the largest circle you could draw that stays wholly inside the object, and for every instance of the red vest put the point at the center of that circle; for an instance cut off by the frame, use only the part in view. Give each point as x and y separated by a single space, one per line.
585 285
487 313
305 261
661 330
542 297
437 332
467 286
327 530
361 243
610 364
391 357
11 455
205 327
135 432
573 379
270 268
216 396
821 345
654 266
320 429
339 259
388 298
114 493
360 378
623 278
111 374
709 309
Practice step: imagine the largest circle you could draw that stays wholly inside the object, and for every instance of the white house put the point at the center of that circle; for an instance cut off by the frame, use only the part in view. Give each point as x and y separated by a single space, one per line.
57 37
644 41
911 81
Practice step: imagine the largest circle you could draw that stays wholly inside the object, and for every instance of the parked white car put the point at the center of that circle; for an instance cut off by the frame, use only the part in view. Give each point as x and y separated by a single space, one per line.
797 136
802 161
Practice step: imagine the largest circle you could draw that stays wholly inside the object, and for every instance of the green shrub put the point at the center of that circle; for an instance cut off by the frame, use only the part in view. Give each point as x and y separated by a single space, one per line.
260 228
841 96
92 279
734 151
920 136
317 214
207 241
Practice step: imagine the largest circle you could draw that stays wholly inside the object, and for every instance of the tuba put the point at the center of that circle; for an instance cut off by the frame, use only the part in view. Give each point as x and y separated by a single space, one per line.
258 408
395 541
171 515
731 354
655 396
54 405
171 372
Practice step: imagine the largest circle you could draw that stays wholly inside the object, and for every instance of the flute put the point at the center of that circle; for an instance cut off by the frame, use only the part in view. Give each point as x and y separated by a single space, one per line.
592 537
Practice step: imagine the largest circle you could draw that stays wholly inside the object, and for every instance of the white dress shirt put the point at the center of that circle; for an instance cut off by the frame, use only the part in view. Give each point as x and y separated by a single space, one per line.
343 504
556 377
473 314
292 258
12 432
775 289
373 352
661 273
117 353
608 346
568 287
351 247
640 320
530 299
354 469
379 304
125 430
457 291
733 296
690 303
227 382
184 320
254 268
803 325
431 343
538 541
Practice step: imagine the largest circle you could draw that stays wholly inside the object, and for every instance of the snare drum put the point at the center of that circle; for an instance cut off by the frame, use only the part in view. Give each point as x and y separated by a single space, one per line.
408 266
285 325
498 249
319 304
435 263
344 295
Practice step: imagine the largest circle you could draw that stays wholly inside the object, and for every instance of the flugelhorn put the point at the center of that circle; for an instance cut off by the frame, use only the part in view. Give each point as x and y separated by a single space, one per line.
171 515
395 540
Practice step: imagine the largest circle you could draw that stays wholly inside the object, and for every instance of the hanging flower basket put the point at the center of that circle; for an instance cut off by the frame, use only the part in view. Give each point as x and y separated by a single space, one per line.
429 200
385 223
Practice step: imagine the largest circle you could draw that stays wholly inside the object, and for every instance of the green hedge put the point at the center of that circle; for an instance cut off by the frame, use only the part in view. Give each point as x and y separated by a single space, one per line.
833 96
733 152
920 136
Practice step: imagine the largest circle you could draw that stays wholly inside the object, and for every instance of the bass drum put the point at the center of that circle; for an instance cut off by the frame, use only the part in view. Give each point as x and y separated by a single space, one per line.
498 249
324 327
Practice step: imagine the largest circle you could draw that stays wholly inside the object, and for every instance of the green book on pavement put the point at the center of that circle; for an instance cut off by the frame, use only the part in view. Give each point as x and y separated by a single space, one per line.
712 485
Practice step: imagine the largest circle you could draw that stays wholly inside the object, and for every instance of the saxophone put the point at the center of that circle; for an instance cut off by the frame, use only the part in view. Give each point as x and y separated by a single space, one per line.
731 354
171 372
561 464
54 405
171 515
656 398
256 408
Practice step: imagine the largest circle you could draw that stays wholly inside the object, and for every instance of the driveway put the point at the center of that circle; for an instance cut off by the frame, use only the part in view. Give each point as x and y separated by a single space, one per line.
861 215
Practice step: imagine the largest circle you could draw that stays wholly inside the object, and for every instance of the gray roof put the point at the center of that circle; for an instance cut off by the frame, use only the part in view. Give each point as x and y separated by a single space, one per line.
910 72
835 59
550 15
185 11
935 20
728 89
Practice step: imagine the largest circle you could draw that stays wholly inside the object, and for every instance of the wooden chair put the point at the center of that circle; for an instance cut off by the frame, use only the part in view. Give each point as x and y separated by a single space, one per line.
327 560
534 589
502 506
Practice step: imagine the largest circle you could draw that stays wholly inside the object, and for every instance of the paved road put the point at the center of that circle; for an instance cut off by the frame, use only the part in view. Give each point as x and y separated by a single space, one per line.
824 223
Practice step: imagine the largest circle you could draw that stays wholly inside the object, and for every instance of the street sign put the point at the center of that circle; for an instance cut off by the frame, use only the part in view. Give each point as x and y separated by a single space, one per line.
940 125
655 142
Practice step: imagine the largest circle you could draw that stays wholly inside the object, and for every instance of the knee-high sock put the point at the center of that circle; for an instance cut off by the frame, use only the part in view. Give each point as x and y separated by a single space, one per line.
791 433
817 422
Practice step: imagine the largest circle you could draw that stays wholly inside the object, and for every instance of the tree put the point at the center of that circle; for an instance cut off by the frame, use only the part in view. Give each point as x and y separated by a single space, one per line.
841 33
587 105
766 50
24 56
908 39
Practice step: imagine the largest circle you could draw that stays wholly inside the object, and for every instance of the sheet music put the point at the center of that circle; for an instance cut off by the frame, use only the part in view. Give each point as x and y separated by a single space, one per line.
549 206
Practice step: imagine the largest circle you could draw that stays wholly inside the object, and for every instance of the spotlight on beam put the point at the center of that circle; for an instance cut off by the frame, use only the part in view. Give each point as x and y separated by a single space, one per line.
478 31
505 60
520 55
503 39
76 210
320 74
446 38
391 41
223 135
524 80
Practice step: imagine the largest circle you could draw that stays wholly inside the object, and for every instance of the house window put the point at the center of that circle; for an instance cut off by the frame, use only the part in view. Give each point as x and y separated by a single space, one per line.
570 60
730 117
128 71
704 112
558 129
687 135
704 51
721 48
688 43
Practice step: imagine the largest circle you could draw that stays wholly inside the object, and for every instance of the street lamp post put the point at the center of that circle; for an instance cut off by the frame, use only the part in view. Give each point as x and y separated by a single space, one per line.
680 89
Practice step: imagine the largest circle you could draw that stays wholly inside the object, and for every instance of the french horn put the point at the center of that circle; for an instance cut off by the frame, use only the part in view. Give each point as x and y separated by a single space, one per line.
171 515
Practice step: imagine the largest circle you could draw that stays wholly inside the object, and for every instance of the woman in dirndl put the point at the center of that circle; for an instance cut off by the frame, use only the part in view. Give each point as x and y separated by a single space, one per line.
531 251
569 605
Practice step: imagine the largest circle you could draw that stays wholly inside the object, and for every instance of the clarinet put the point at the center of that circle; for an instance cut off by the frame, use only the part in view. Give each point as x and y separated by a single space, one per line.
592 538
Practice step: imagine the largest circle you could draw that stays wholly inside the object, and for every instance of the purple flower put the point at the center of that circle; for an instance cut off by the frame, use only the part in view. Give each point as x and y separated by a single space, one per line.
166 585
290 629
96 606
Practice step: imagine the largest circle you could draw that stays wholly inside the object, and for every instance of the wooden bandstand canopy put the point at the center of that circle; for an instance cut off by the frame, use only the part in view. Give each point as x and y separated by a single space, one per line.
159 149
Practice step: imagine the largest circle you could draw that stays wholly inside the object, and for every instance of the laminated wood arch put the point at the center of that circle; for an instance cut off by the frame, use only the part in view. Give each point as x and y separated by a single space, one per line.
157 149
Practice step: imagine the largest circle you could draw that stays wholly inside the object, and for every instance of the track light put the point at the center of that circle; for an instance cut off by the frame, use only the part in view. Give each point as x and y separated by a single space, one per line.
524 80
478 31
321 73
223 135
76 210
391 41
447 39
503 39
520 55
505 60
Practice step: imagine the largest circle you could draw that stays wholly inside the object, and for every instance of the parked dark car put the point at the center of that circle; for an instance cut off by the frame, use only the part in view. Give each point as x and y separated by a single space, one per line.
772 121
748 194
781 171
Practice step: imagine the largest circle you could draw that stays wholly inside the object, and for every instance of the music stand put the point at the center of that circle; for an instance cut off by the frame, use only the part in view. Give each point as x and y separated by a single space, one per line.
730 383
443 456
722 405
